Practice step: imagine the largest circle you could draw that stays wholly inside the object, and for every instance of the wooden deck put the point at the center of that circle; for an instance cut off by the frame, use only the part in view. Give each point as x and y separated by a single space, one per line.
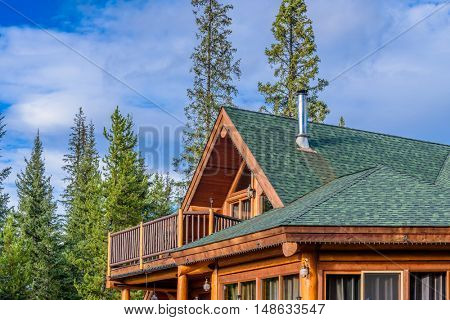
155 239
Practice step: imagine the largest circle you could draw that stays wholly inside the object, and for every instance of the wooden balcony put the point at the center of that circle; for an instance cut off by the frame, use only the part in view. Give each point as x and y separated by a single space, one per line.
156 239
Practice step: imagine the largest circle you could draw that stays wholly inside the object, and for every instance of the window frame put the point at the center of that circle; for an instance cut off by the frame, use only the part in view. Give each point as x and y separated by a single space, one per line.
362 273
239 292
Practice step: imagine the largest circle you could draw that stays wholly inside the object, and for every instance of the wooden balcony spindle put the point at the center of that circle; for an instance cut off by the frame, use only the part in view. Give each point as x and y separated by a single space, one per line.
180 228
141 246
109 254
211 221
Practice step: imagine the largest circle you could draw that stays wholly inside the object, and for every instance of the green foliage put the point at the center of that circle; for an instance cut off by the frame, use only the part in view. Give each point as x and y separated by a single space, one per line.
295 62
4 173
126 183
40 227
14 269
86 231
341 122
214 68
160 196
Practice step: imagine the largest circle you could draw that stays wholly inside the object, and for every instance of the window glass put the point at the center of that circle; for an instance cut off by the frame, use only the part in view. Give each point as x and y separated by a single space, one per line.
235 210
266 205
381 286
230 291
244 180
291 287
343 287
270 289
248 290
246 209
427 285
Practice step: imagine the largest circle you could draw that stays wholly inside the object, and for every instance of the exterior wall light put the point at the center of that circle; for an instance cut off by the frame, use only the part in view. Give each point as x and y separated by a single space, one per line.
304 271
206 285
154 297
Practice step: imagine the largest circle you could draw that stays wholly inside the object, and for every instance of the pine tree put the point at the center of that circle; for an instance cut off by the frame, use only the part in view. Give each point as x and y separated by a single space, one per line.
341 122
293 55
160 196
72 160
126 181
14 269
4 173
88 252
86 231
40 227
214 69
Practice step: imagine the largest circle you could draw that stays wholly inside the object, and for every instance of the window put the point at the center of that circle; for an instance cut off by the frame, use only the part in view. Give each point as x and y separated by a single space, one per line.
381 286
427 285
270 289
343 287
266 205
291 285
248 290
230 291
235 210
245 210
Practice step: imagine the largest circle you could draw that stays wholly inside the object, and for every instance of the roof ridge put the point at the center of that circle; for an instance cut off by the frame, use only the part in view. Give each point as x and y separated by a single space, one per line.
338 127
441 170
362 175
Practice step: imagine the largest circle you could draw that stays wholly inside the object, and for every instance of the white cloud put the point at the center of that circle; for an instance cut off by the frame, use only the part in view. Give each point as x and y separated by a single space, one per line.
148 44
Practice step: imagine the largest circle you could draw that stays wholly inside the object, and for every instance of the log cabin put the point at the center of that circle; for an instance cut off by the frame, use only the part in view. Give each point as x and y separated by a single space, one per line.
282 208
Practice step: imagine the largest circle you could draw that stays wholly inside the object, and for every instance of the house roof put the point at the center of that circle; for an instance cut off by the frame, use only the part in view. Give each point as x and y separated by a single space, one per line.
377 196
355 178
339 152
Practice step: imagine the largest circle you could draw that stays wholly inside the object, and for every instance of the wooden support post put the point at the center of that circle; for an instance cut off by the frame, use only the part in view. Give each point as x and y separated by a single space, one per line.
108 271
125 293
309 285
211 222
215 284
182 287
141 246
180 228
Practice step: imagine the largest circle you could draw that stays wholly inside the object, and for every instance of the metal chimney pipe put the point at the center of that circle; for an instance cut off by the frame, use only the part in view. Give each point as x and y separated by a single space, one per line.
302 137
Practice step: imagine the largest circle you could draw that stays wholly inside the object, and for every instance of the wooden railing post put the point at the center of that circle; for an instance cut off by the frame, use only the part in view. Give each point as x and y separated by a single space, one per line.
141 246
180 228
211 221
108 272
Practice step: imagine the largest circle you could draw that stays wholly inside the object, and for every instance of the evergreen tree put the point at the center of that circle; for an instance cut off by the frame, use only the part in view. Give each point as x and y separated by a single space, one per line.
341 122
14 267
293 55
126 181
72 160
88 252
86 232
40 227
214 68
160 196
4 173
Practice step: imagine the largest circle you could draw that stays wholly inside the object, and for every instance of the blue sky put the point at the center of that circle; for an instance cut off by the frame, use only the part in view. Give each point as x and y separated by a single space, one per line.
401 90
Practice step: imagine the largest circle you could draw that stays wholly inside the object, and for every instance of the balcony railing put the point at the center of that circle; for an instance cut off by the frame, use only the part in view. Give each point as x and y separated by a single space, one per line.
153 239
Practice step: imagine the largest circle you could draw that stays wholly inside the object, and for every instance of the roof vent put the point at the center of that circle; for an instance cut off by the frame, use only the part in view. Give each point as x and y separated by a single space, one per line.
302 137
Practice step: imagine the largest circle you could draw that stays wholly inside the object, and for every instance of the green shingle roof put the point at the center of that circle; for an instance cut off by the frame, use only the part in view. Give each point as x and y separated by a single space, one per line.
377 196
355 178
340 151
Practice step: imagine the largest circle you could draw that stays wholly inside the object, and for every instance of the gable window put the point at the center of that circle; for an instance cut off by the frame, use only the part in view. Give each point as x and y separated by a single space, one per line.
266 205
427 285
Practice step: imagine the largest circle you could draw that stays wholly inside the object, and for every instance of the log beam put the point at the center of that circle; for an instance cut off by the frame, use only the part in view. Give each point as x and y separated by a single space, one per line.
290 248
125 293
309 284
214 285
